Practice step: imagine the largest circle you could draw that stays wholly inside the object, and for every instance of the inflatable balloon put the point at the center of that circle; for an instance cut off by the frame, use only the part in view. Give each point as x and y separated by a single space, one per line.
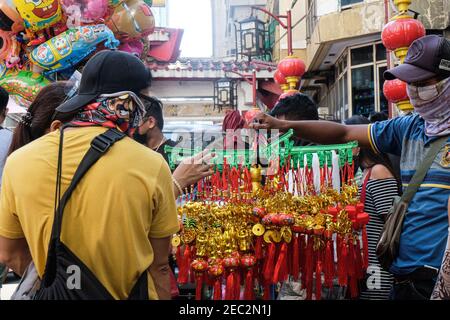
39 15
25 84
71 47
132 19
10 20
5 44
135 47
89 11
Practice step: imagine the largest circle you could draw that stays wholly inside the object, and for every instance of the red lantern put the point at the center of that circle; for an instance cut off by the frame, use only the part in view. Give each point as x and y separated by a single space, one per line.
280 79
395 90
248 260
293 69
398 34
199 265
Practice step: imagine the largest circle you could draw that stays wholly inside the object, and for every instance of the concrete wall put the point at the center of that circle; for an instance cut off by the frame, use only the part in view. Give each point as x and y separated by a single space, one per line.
360 20
434 14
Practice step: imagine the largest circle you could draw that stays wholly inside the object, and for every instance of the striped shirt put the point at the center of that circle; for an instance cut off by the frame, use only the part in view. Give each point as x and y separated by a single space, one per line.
379 197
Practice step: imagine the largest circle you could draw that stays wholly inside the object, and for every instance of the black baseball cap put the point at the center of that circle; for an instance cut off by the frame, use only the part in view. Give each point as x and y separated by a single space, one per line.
108 72
427 57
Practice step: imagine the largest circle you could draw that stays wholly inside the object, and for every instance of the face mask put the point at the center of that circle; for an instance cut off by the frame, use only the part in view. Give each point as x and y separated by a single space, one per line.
435 111
141 138
426 94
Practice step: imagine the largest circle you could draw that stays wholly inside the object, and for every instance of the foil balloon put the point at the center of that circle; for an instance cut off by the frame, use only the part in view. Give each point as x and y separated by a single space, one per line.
86 11
10 20
71 47
132 20
5 44
25 84
135 47
38 16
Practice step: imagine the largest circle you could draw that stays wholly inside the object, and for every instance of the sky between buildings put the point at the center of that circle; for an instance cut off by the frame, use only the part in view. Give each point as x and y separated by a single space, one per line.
195 17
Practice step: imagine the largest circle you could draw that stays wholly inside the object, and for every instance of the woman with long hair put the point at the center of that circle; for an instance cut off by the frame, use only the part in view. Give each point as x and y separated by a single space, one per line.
380 184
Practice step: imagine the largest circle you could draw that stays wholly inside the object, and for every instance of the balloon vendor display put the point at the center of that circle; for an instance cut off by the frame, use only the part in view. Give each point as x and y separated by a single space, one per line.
240 237
48 40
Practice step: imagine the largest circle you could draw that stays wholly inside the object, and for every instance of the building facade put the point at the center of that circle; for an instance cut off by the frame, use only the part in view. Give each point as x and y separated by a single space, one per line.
340 42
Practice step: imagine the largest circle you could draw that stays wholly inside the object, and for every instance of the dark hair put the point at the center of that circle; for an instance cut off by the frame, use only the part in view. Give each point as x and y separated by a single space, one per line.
372 156
4 99
153 108
378 116
39 117
296 107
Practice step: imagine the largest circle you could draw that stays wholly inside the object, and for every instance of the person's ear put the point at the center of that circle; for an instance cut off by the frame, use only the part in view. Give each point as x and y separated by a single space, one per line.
151 123
55 125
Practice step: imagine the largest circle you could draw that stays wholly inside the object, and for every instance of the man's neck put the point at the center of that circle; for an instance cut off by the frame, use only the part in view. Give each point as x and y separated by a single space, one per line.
155 140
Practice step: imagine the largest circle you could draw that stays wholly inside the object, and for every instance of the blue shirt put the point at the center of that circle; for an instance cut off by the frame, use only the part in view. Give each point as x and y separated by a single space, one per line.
424 235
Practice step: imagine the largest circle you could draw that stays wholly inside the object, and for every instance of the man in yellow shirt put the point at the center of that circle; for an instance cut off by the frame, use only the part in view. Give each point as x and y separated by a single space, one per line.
121 215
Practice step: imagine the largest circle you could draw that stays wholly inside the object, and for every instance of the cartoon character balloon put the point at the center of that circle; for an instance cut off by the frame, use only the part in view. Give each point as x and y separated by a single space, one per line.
71 47
86 11
132 19
39 15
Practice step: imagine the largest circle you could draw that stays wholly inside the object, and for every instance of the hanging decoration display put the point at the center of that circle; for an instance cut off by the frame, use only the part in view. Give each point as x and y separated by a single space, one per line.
48 40
240 237
397 36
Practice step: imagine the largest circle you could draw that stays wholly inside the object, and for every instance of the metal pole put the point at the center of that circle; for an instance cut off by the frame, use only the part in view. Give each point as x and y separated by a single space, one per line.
254 88
289 32
388 55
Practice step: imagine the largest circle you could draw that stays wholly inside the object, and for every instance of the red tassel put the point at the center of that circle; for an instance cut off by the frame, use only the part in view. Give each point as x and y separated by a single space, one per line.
229 288
184 266
319 280
237 285
199 286
359 271
309 268
278 272
248 291
217 289
329 265
365 249
342 265
258 248
269 263
302 248
295 259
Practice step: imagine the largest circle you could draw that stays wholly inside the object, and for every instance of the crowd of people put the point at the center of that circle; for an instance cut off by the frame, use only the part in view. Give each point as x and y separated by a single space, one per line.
89 173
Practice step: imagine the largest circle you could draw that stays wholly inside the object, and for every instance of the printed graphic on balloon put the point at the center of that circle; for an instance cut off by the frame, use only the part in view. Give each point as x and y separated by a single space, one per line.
71 47
24 84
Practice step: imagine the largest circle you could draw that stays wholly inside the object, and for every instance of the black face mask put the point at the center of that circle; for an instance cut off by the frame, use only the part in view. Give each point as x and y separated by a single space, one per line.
141 138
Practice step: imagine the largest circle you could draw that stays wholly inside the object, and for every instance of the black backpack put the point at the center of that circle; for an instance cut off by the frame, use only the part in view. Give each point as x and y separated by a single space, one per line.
61 261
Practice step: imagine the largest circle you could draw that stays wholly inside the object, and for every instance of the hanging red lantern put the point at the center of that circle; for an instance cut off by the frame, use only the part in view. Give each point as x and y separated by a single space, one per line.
398 34
199 266
395 90
293 69
280 79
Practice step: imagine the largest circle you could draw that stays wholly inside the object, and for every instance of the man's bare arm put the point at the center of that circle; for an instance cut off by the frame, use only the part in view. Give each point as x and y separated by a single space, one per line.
323 132
160 269
14 253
